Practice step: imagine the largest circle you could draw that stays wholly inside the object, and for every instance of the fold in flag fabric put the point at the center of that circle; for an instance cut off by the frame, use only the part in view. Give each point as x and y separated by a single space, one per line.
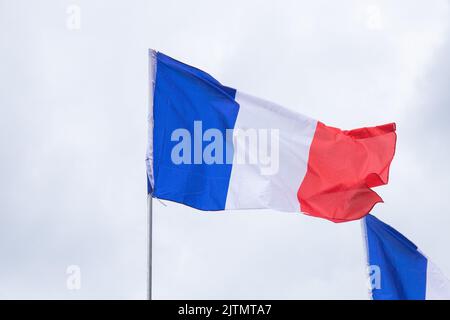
213 147
398 268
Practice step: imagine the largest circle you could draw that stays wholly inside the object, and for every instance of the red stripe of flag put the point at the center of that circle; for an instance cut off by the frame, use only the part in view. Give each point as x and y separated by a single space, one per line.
343 166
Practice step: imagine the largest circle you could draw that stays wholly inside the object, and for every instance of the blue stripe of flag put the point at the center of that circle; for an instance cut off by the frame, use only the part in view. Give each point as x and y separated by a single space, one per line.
403 269
183 95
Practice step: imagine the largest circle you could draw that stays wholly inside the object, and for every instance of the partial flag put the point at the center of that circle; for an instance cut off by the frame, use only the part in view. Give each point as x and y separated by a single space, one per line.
213 147
398 269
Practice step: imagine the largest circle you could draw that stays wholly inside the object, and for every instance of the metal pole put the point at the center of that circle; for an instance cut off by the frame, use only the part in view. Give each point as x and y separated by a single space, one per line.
149 157
366 256
150 247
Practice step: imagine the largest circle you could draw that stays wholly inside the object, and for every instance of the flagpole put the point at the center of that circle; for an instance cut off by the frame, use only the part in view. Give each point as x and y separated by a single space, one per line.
149 158
150 247
366 256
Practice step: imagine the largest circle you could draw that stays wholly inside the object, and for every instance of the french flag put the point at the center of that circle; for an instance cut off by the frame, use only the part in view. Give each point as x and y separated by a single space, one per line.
213 148
398 270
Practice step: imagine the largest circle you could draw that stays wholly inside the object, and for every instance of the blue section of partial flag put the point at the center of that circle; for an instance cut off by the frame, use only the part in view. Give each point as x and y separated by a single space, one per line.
403 269
184 95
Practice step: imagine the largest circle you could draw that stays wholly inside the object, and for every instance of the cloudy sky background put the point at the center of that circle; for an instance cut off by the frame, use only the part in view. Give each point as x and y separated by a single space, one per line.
73 138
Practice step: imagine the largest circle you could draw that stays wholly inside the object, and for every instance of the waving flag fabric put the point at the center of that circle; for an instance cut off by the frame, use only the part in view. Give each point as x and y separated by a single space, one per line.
404 272
212 147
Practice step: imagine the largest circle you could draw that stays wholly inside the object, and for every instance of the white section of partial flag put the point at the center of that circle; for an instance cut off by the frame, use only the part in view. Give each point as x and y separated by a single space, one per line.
438 285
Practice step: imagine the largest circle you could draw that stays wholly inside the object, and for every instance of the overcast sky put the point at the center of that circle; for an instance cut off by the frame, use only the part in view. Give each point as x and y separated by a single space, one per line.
73 137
